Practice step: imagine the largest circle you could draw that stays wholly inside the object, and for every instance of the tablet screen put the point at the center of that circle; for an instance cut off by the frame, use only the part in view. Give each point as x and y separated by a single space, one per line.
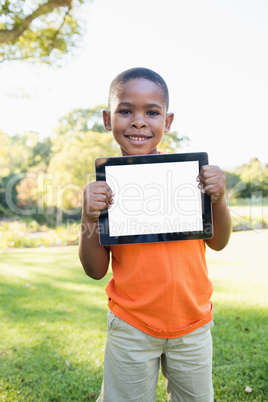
156 198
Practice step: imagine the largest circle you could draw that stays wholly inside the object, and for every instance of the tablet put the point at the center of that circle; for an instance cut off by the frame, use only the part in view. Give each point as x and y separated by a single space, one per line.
156 199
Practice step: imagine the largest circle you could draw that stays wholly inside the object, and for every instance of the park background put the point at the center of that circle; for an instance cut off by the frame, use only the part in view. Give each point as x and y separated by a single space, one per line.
214 58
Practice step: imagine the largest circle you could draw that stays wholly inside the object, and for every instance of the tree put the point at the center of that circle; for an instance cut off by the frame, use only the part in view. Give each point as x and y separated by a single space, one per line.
71 168
38 30
248 180
21 158
233 185
172 142
74 125
48 176
251 174
5 169
73 162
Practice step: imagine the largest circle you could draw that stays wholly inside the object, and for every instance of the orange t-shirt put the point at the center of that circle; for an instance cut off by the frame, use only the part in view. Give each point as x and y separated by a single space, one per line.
162 289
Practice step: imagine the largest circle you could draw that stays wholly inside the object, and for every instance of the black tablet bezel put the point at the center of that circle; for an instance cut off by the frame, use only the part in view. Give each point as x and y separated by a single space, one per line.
107 240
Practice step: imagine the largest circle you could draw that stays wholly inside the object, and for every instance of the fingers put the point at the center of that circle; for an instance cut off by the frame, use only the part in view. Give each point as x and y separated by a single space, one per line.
212 182
97 197
101 195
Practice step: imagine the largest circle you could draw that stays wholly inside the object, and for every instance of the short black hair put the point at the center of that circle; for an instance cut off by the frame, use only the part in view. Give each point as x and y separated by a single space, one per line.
138 73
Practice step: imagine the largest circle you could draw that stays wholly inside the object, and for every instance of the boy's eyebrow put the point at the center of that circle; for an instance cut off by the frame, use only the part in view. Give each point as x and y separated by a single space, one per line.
153 105
148 106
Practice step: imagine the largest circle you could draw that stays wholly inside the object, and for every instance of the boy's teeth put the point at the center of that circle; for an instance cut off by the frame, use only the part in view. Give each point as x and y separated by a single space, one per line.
137 138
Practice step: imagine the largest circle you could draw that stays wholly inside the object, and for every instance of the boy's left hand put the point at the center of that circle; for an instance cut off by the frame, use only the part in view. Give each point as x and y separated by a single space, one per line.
212 182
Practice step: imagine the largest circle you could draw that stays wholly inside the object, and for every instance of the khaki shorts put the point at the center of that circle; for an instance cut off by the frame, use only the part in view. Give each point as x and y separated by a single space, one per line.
132 361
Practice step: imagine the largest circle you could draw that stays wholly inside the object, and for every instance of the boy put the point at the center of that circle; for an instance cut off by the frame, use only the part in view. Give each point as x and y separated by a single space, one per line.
159 295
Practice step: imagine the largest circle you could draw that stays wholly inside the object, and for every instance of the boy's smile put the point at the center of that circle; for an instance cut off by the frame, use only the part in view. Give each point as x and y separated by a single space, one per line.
138 117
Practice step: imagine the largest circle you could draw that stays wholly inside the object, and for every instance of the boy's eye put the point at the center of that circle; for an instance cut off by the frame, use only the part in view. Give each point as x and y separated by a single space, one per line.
124 111
153 113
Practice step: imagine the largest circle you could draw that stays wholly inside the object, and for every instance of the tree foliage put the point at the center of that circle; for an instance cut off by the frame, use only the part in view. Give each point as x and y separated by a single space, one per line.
39 30
248 180
74 126
78 140
172 142
45 177
20 155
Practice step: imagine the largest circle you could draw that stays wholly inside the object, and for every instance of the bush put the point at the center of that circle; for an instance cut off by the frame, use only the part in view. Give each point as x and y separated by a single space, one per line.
19 233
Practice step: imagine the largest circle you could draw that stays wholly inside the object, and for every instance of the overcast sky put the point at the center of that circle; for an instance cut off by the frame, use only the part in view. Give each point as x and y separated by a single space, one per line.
212 54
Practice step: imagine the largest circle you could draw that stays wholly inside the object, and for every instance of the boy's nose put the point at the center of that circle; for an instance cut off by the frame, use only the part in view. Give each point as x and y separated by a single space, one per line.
138 125
138 122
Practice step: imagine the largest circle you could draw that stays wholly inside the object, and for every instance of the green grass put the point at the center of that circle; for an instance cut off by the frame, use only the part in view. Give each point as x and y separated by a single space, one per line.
51 314
240 277
53 324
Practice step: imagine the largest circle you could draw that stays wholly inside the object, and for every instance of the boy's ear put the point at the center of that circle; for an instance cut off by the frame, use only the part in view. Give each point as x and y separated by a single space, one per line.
107 120
169 120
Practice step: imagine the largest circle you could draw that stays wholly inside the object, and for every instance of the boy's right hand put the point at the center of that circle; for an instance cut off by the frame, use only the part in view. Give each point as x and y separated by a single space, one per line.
97 196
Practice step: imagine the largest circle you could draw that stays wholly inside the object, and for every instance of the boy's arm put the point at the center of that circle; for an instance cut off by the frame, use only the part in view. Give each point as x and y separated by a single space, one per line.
212 181
94 257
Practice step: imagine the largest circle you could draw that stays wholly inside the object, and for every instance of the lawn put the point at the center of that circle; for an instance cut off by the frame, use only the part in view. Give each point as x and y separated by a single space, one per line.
53 323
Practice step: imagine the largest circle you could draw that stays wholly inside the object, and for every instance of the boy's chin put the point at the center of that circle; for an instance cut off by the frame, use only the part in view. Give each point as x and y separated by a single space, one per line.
139 152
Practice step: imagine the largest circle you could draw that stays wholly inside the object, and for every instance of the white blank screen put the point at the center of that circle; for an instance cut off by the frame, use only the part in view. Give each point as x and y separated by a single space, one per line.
154 198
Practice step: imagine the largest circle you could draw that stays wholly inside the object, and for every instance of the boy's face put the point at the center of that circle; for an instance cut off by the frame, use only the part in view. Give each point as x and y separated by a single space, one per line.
138 117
